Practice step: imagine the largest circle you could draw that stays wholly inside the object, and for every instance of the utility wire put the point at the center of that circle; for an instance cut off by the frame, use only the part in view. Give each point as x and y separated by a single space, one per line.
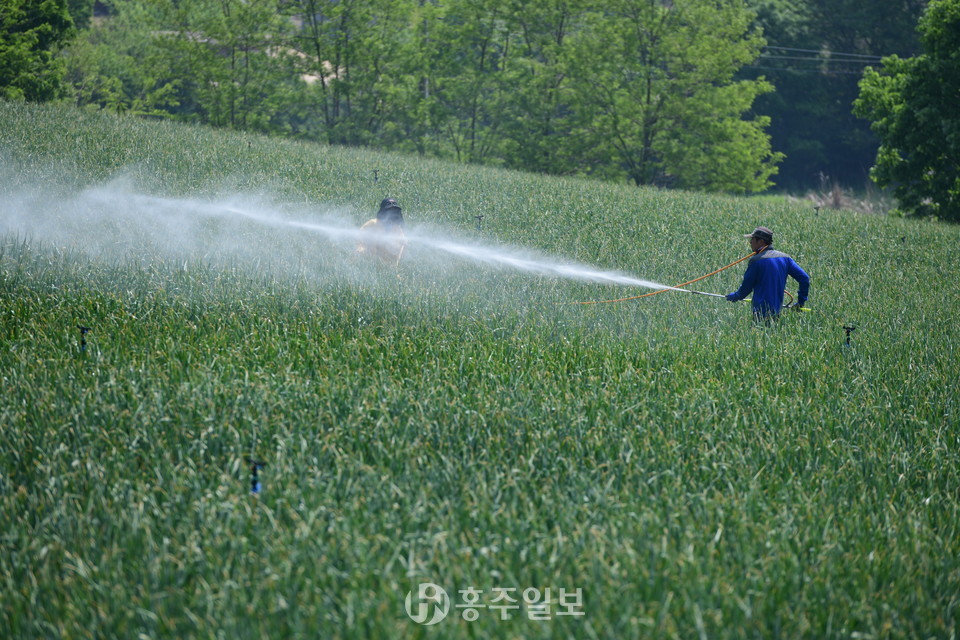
825 53
809 59
825 61
809 70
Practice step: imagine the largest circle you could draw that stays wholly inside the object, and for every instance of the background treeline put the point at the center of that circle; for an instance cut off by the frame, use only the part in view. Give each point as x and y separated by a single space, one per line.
735 95
815 56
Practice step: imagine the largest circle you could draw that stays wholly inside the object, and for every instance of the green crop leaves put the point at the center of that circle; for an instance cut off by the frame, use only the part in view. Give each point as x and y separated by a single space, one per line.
456 423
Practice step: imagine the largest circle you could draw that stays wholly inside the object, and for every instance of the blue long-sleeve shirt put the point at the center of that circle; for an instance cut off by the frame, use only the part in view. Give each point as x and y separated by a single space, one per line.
766 278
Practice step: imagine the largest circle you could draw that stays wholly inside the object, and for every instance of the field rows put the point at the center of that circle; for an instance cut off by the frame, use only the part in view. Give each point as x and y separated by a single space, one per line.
448 422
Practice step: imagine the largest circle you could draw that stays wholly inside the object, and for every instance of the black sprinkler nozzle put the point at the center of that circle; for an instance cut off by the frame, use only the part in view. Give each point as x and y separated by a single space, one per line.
849 329
83 336
255 467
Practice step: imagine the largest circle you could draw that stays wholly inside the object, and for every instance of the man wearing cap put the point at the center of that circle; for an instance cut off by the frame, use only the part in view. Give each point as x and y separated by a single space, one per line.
383 237
766 277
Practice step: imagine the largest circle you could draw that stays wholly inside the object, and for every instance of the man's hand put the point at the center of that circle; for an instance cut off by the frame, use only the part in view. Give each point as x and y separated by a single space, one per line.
731 297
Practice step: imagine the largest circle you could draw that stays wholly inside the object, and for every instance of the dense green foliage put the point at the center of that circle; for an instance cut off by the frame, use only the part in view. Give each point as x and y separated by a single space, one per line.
618 90
643 91
915 106
815 56
693 474
31 33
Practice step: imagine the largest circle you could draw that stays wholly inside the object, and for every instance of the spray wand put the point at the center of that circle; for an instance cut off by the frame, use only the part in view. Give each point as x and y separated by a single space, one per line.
720 295
678 288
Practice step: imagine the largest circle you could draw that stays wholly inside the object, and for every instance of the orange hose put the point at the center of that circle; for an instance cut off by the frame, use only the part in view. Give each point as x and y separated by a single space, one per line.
653 293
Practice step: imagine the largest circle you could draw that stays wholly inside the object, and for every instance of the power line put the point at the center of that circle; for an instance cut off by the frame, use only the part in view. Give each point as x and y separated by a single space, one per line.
826 61
823 53
809 70
808 59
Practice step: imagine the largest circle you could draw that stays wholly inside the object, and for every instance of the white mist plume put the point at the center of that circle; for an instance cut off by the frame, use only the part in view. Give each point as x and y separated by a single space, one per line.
115 220
531 264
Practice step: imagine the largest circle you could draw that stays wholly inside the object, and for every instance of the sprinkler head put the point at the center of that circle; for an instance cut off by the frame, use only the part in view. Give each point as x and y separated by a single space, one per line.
255 466
83 336
849 328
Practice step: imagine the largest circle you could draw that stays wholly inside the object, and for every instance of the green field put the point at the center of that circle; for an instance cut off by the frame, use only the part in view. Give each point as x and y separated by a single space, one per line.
450 422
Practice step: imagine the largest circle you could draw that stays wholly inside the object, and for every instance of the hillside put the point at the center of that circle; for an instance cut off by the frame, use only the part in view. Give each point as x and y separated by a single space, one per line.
455 421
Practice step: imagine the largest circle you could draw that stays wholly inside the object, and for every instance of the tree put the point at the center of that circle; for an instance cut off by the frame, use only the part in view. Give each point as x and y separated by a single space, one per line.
31 34
463 57
538 131
115 65
81 12
655 94
642 89
611 89
226 63
815 55
360 56
914 105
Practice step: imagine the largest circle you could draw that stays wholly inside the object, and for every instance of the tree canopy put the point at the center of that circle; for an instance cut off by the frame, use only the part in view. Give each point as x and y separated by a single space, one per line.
914 104
639 90
31 33
815 54
717 95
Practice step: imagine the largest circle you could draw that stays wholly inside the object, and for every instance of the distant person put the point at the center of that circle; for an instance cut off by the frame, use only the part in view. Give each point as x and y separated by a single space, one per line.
383 237
766 277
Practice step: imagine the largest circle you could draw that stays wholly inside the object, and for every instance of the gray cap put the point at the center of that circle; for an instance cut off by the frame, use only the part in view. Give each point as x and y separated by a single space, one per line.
762 233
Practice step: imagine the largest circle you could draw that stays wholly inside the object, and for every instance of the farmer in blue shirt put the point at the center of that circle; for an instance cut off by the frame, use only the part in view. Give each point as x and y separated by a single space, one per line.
766 277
